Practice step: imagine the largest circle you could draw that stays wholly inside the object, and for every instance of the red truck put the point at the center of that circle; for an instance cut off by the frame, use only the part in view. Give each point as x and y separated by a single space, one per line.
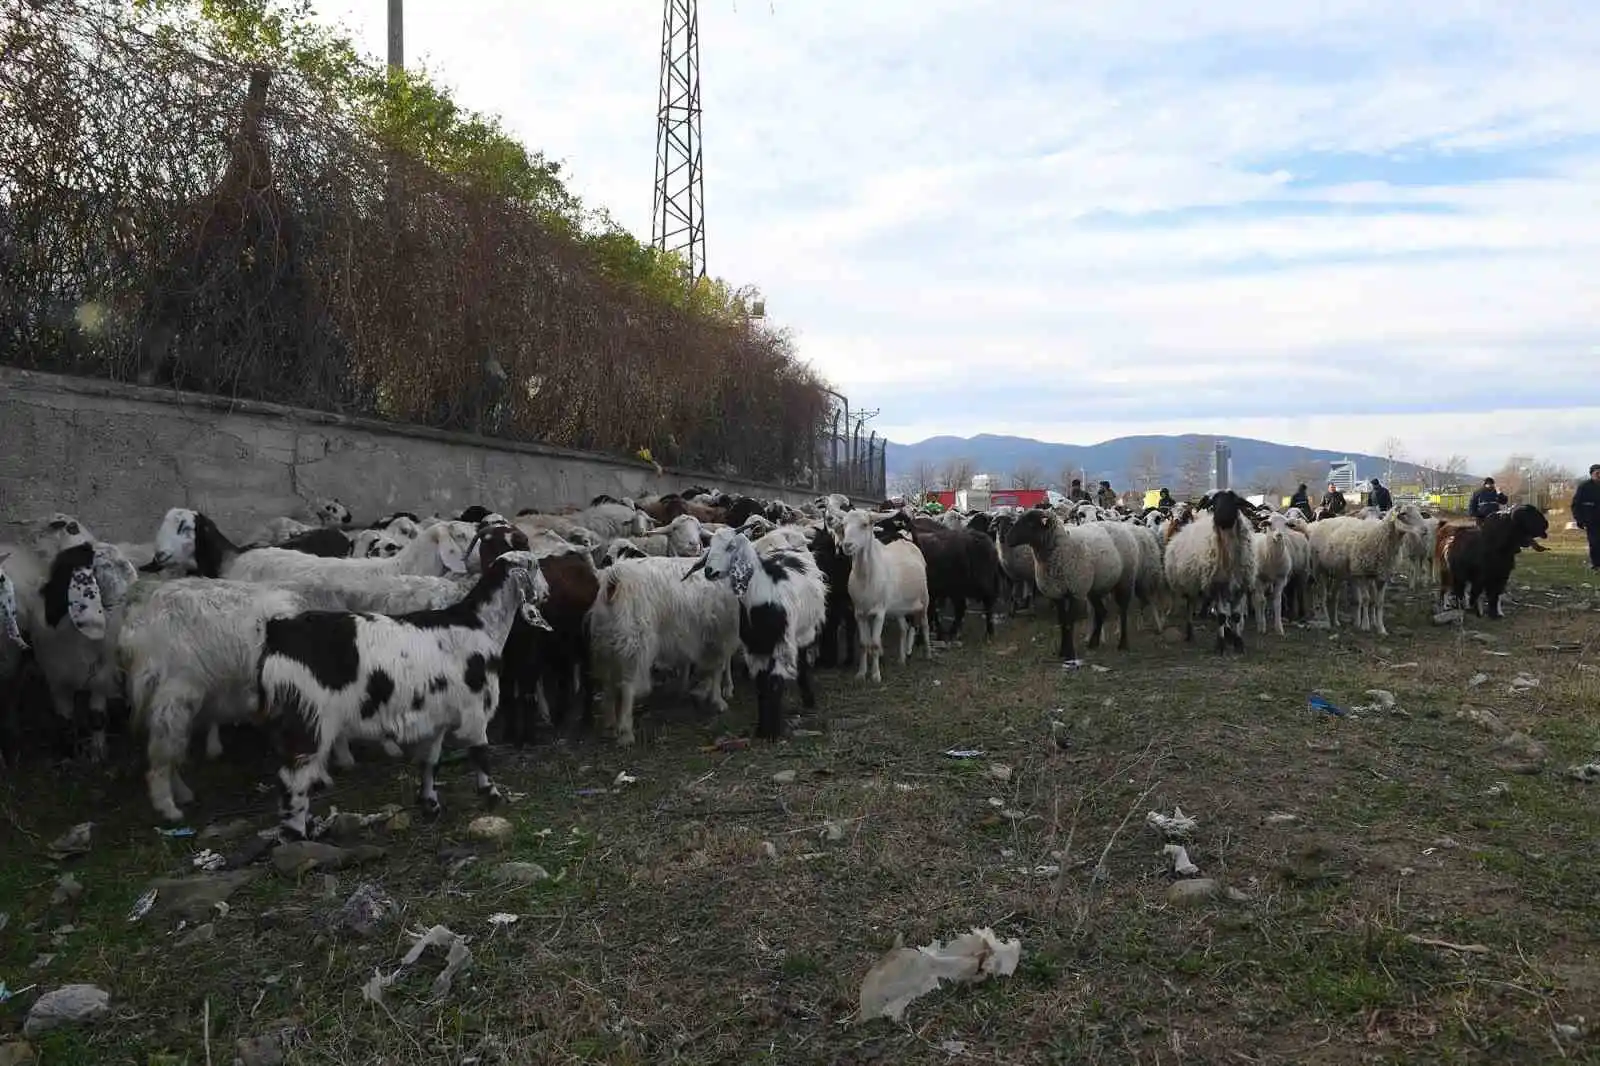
997 497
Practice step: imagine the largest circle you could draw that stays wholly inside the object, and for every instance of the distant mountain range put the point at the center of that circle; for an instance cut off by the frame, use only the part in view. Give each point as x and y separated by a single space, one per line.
1125 461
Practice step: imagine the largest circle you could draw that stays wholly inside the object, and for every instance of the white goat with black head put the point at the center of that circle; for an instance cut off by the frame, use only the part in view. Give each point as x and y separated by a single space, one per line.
783 599
410 679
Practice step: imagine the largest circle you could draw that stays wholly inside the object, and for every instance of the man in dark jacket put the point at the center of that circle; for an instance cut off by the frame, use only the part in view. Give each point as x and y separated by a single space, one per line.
1486 501
1106 497
1165 502
1333 500
1076 492
1586 513
1378 496
1301 500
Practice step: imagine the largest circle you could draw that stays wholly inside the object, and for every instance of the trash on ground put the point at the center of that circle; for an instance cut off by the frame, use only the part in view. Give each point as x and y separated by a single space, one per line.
1470 949
1316 702
1097 668
500 918
1498 789
74 841
1282 818
999 771
1382 700
832 830
142 905
9 993
1180 860
1477 679
1193 890
1588 773
784 777
68 890
457 958
209 860
904 974
1176 825
1523 682
965 753
490 827
1072 664
623 778
726 744
176 831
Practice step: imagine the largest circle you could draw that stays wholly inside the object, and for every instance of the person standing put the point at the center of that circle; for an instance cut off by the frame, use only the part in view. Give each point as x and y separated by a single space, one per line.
1076 492
1165 502
1586 513
1333 500
1301 500
1486 501
1378 496
1106 497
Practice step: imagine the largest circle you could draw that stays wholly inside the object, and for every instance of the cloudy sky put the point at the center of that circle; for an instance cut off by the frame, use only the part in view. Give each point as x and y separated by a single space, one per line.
1322 223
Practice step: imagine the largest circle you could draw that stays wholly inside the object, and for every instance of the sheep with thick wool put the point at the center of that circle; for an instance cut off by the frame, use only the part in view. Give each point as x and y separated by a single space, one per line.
646 615
886 581
1363 553
1211 558
783 600
1274 568
1075 564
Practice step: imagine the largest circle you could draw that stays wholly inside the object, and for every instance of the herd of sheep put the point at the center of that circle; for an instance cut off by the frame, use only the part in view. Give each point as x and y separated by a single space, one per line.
413 630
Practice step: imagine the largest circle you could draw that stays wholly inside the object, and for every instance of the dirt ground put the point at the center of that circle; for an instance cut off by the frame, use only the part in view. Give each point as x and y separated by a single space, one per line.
1415 884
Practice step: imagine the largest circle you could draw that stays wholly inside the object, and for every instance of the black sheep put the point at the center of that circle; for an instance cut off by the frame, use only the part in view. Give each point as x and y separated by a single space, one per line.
1481 558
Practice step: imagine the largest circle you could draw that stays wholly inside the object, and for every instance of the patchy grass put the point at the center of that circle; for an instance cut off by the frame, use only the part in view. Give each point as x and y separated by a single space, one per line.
668 933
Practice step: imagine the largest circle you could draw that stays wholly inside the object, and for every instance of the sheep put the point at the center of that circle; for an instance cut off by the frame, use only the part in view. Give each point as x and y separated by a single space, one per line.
840 615
1296 594
783 537
962 564
408 678
402 525
376 544
13 645
327 513
1363 552
191 540
782 603
1080 563
886 580
190 648
1016 563
646 615
619 549
1478 560
1150 580
1211 558
1274 566
322 542
680 537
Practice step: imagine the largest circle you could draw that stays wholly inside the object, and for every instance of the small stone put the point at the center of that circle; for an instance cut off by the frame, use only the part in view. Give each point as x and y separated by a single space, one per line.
769 849
67 1006
17 1053
1192 891
784 777
194 899
74 841
301 855
226 832
200 934
398 822
43 960
268 1049
491 828
521 873
344 826
68 890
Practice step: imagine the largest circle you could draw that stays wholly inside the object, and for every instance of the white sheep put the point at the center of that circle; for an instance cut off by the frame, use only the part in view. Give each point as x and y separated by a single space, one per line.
1212 559
1362 552
886 581
410 679
647 616
680 537
1274 567
1080 564
783 537
783 599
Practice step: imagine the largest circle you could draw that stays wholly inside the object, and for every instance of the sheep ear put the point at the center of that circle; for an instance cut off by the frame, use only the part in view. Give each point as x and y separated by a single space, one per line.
451 557
531 615
699 565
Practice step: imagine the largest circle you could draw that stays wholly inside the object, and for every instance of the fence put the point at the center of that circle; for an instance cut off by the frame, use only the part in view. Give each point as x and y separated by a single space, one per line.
850 462
174 217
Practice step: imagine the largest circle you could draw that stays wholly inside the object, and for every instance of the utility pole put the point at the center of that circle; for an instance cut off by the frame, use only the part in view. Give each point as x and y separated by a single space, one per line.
397 36
677 221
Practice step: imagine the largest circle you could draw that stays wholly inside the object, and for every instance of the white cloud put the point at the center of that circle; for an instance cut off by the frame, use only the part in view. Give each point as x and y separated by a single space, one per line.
1171 214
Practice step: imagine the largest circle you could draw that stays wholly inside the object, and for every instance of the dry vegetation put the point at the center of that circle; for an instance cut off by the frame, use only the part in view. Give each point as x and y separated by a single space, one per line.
194 196
670 934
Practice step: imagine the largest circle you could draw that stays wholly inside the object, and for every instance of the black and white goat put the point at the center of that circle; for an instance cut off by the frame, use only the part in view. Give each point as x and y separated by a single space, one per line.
410 679
783 600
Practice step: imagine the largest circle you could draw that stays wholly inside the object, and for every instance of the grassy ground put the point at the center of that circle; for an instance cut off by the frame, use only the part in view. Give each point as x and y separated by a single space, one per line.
672 933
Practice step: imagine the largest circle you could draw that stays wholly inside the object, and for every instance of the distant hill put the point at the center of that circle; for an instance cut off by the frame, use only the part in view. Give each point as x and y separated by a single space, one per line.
1123 460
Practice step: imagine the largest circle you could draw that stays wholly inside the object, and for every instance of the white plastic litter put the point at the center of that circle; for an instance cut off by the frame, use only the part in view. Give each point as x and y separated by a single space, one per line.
142 905
1176 825
624 778
503 918
457 958
209 860
905 974
1180 860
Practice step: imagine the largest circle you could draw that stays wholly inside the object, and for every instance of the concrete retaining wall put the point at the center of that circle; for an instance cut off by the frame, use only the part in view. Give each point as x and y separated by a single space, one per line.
117 456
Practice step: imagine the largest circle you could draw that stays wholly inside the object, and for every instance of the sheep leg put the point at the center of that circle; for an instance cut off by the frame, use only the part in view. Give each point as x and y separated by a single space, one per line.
864 628
988 617
428 756
808 695
852 640
168 722
488 791
908 634
935 623
294 790
769 704
98 749
214 741
1124 599
927 646
1380 590
627 693
1277 607
960 618
1064 612
342 759
1097 607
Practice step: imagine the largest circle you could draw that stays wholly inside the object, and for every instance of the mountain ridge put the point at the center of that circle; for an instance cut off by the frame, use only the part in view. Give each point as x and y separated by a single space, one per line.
1126 462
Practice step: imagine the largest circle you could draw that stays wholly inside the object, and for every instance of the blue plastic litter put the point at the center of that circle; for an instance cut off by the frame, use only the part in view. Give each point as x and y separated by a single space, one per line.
1317 703
180 831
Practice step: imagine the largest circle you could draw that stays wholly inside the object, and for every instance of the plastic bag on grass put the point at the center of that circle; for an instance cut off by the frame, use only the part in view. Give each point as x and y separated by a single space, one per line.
904 974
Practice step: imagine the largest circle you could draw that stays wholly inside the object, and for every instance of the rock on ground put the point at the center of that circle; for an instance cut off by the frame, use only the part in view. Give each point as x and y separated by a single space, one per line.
68 1005
195 899
302 855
